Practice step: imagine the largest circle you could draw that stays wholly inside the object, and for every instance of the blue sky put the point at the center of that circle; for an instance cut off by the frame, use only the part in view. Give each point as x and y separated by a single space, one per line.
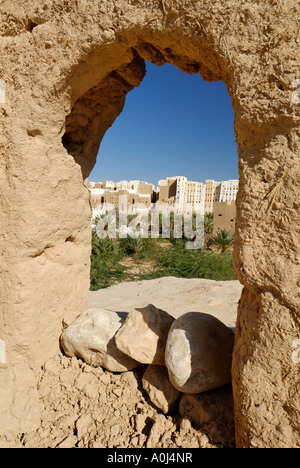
172 124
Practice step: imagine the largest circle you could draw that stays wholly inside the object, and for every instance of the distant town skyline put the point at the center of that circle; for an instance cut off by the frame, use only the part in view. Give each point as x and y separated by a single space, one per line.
177 192
173 123
155 183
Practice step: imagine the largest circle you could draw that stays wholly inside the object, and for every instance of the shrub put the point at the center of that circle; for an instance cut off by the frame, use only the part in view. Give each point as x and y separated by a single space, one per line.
167 258
223 240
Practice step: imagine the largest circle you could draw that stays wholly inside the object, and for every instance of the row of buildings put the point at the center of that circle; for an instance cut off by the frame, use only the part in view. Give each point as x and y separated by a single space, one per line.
212 197
178 193
133 193
184 194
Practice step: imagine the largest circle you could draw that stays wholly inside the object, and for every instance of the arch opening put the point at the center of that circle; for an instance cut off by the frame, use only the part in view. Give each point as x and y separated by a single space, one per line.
173 127
95 111
98 98
251 46
260 143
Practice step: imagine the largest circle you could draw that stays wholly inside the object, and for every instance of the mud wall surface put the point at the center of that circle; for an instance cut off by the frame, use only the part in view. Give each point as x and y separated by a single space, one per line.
65 69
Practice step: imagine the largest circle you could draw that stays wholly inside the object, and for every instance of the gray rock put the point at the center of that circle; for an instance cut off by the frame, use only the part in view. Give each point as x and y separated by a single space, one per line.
144 334
199 353
159 388
92 338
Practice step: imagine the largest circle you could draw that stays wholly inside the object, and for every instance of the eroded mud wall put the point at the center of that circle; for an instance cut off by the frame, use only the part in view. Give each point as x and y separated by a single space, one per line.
66 66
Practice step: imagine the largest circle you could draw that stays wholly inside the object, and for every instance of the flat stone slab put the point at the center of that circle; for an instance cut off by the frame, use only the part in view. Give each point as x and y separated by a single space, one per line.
217 298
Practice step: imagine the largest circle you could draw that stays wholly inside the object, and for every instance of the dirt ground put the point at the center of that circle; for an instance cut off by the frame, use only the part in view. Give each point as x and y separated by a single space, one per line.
86 407
138 267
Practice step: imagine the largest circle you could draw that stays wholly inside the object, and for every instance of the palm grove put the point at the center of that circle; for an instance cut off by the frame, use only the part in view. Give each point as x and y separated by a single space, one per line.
115 260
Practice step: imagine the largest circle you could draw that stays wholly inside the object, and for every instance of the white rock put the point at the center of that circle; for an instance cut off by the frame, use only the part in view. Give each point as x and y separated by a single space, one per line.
144 334
92 338
199 353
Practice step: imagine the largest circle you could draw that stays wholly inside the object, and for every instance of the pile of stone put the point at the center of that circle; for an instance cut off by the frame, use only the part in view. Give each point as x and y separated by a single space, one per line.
190 355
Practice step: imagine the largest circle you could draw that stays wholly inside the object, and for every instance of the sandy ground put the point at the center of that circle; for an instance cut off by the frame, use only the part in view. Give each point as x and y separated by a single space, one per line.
174 295
85 407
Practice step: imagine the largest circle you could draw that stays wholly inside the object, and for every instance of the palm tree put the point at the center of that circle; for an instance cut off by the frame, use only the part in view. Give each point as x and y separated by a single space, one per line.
223 240
133 246
208 224
102 246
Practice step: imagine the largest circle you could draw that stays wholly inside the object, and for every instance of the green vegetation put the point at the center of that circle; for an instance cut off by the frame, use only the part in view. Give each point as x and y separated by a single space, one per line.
223 240
119 260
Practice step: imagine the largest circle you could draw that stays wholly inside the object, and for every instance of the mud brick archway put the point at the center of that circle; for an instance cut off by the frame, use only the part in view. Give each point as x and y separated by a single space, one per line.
65 69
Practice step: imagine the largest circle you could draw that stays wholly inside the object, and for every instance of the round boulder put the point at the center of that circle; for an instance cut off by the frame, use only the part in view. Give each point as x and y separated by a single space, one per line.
199 353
